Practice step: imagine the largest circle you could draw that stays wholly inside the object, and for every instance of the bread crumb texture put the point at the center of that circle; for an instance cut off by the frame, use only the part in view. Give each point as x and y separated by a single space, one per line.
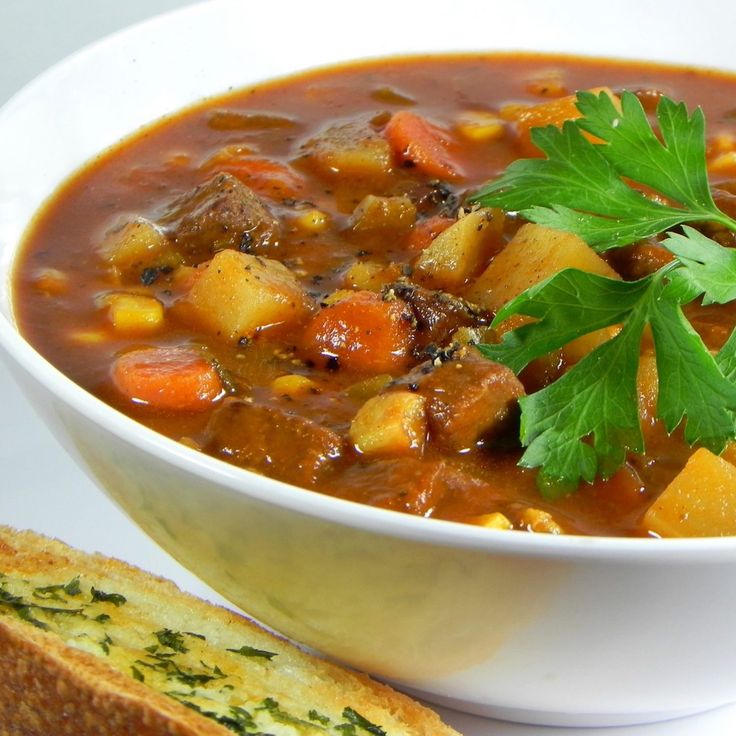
91 645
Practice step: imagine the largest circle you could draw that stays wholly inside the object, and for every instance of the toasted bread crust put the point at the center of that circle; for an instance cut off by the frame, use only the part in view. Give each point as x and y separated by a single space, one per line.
48 687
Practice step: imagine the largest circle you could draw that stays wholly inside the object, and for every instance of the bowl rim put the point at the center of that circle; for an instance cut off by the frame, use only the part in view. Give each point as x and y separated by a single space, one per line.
633 550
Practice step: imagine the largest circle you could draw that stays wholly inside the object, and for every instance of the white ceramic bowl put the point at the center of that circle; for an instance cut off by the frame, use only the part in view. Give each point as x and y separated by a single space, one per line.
536 628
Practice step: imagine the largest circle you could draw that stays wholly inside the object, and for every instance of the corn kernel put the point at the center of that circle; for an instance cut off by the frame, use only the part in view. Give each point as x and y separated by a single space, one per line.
369 387
496 520
536 520
88 337
293 385
132 313
313 221
481 126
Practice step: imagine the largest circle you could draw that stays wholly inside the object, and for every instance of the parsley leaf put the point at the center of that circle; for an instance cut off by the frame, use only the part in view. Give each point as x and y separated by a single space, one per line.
583 187
582 425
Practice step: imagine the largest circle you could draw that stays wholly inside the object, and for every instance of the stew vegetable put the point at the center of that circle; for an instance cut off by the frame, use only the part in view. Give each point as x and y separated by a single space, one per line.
496 289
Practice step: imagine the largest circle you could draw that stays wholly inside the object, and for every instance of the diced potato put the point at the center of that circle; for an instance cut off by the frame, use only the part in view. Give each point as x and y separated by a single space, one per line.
534 254
495 520
353 149
238 294
293 385
457 253
384 213
539 521
135 314
138 245
371 275
647 388
390 424
699 502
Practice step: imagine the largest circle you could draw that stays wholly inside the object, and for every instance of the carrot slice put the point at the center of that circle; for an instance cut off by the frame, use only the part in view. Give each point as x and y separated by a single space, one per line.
264 176
418 143
361 332
167 378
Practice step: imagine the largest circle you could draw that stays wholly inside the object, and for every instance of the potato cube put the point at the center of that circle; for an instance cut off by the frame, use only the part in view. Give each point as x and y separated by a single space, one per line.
135 314
239 293
460 251
138 245
371 275
699 502
393 423
351 149
535 253
384 213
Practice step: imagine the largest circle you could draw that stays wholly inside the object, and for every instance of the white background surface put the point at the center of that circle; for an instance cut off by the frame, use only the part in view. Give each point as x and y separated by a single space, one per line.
40 487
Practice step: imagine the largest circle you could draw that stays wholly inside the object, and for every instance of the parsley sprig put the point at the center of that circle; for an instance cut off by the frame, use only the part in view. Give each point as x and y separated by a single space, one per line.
583 187
582 425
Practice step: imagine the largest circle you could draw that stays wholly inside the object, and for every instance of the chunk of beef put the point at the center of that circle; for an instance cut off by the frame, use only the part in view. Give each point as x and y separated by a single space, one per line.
272 441
469 400
408 484
437 314
221 213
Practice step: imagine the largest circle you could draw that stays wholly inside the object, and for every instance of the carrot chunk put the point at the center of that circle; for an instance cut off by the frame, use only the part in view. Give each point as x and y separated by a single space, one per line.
553 112
167 378
418 143
267 177
361 332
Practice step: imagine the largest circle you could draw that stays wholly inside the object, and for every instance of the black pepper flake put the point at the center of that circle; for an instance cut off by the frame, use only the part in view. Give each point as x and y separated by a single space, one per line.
246 242
149 275
333 364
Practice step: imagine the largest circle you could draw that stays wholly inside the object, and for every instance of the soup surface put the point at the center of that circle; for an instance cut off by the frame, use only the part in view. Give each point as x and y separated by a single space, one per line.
292 278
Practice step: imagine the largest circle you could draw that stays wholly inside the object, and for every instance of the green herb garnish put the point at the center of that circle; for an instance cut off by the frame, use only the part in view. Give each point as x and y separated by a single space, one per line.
171 639
116 599
582 425
356 719
247 651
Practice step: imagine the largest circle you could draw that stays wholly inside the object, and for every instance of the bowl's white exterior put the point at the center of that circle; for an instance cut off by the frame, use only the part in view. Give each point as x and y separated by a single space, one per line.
548 630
